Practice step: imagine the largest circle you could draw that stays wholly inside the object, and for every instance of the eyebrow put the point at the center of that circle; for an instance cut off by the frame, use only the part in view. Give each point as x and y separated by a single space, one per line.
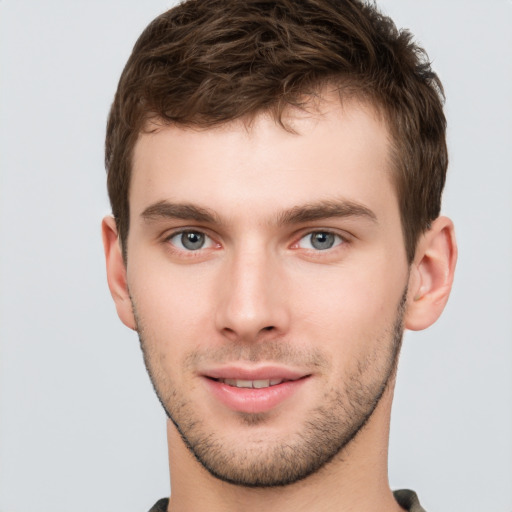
325 210
166 210
295 215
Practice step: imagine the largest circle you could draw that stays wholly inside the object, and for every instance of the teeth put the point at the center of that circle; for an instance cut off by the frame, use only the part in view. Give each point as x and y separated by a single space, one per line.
243 383
256 384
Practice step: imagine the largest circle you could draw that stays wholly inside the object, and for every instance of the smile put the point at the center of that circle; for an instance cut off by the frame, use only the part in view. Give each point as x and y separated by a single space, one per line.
254 393
254 384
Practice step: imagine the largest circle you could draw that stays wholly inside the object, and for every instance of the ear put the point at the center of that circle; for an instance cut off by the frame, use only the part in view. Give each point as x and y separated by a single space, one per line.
116 272
431 276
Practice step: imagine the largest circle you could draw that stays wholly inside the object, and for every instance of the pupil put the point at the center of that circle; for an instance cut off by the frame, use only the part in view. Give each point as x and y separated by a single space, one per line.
192 241
322 240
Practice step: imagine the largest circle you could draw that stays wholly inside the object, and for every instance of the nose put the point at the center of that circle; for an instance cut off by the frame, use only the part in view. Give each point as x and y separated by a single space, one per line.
252 300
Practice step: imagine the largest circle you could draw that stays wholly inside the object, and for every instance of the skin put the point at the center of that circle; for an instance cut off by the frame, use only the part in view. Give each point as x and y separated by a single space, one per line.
258 293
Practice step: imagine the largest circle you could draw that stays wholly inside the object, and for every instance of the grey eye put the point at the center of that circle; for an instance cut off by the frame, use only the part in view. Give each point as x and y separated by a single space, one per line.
192 240
321 240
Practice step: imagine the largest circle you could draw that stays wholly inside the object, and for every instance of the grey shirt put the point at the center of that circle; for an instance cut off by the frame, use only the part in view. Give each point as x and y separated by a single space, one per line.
406 499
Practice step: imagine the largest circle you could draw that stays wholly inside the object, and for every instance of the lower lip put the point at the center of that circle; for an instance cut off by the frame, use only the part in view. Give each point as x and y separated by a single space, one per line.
251 400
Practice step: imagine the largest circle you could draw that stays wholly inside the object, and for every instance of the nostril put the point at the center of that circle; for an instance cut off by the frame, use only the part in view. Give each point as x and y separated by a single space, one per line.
269 328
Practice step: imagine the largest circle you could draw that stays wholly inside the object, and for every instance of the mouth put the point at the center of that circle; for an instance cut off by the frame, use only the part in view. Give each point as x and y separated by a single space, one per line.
253 384
254 391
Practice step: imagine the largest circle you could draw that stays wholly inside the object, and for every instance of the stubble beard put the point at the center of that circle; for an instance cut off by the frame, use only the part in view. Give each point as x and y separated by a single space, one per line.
328 430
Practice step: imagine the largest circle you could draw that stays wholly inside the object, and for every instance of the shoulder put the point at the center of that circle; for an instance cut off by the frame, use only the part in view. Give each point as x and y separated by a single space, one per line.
160 505
408 500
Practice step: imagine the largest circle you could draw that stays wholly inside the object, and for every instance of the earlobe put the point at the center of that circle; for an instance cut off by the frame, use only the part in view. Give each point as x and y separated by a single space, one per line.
116 272
431 275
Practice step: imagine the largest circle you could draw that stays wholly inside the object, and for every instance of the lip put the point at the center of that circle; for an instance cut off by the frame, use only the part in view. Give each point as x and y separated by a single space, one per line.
254 400
254 373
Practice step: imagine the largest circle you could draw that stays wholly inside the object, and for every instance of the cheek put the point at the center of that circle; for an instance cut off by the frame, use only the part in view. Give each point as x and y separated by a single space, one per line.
172 305
349 309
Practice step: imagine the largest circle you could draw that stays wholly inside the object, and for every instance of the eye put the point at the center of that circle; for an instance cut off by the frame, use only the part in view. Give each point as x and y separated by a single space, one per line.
320 240
191 240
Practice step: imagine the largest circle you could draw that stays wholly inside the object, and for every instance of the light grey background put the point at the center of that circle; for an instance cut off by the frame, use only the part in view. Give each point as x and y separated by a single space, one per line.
80 429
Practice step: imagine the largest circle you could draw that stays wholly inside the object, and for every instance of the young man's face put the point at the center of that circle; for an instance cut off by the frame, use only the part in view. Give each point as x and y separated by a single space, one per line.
267 273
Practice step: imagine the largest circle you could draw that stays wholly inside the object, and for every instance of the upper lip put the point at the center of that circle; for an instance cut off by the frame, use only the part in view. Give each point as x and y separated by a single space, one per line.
265 372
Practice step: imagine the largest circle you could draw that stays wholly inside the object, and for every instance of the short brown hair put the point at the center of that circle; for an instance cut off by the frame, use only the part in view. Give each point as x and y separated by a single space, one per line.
207 62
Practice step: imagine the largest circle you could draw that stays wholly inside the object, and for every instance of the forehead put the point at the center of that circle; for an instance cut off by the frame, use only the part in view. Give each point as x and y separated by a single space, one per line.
331 150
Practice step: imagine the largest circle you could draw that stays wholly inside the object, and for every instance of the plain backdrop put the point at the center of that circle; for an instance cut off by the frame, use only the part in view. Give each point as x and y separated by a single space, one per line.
80 429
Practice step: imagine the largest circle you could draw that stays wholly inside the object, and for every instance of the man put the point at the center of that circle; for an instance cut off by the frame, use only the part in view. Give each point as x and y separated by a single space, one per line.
275 171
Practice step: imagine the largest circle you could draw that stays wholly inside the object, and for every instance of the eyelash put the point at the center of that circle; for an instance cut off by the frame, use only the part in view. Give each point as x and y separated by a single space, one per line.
190 252
341 240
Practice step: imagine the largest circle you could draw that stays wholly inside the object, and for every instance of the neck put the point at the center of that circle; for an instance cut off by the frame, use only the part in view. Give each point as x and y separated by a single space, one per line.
355 480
